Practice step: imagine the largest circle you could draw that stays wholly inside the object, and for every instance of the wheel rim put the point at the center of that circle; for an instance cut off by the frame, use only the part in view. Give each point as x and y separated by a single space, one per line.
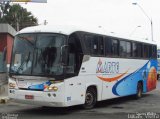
89 99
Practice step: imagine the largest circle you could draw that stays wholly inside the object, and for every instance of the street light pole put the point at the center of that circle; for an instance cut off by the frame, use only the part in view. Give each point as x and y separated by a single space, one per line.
150 19
134 30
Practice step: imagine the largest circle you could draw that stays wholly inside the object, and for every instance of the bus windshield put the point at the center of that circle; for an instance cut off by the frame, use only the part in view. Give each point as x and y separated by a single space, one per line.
37 54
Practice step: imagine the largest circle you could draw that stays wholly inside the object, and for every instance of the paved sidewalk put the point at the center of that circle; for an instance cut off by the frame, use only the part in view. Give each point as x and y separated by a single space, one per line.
4 93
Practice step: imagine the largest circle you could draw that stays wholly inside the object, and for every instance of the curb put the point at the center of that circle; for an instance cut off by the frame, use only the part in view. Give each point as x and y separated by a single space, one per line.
4 100
4 94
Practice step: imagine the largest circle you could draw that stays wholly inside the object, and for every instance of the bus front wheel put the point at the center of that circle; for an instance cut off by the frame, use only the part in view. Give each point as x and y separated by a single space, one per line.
90 98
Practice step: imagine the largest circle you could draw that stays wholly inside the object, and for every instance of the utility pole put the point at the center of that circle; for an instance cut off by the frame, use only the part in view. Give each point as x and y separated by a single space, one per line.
134 30
150 19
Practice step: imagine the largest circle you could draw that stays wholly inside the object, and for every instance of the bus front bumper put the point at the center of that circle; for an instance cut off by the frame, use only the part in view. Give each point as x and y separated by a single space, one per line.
40 98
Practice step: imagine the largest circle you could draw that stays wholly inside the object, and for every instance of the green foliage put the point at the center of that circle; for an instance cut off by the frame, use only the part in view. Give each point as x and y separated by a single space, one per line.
16 16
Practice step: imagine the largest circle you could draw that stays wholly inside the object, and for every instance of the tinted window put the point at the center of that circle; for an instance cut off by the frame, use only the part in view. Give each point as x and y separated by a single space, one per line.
111 46
139 47
155 52
94 44
150 51
128 49
88 39
122 48
101 45
145 51
125 49
114 47
135 50
108 45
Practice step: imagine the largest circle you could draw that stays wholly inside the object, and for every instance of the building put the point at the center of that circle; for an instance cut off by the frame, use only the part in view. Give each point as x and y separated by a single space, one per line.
7 33
6 41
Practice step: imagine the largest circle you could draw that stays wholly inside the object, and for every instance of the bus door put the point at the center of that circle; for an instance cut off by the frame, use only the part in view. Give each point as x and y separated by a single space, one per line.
74 84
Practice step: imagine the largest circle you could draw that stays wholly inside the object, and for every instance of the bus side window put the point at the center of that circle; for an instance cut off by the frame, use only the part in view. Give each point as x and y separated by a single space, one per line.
122 48
134 50
145 51
88 44
114 47
94 45
108 46
98 46
125 49
154 50
101 45
128 49
140 50
111 47
151 53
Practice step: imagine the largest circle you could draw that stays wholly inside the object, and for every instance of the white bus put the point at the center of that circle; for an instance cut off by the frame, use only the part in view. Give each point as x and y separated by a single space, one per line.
63 66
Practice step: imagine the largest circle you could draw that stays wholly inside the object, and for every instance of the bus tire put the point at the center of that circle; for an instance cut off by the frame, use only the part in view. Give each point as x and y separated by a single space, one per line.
90 98
139 90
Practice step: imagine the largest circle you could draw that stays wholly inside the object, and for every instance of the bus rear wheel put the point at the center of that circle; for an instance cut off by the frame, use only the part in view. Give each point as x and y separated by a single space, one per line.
139 90
90 98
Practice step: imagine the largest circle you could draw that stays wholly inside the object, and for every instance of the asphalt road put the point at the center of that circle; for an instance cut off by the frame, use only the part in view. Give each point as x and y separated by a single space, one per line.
148 107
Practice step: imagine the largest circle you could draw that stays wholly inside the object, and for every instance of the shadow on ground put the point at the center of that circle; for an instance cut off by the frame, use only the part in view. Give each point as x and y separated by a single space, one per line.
114 103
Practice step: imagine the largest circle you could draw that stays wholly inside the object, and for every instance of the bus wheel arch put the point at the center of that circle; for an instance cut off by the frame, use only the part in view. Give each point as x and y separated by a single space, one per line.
139 90
90 97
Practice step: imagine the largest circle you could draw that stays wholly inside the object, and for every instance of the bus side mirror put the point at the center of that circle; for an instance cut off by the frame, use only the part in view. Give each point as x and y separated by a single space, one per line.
64 55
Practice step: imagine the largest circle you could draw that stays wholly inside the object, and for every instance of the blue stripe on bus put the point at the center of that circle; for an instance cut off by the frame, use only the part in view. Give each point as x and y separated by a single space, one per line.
128 85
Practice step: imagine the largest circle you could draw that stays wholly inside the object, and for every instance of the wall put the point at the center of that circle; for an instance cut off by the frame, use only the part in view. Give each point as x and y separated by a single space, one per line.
9 47
7 33
6 41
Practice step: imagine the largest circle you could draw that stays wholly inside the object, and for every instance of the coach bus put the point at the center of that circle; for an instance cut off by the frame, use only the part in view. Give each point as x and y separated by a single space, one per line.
62 66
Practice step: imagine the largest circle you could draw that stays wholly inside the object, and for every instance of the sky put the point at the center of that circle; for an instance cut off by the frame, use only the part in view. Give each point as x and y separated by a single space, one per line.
119 17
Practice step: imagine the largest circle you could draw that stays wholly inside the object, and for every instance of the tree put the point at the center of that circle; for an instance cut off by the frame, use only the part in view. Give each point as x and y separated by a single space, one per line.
4 8
16 16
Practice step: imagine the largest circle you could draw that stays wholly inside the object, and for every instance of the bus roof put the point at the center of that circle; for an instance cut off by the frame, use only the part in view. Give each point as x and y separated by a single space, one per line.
69 29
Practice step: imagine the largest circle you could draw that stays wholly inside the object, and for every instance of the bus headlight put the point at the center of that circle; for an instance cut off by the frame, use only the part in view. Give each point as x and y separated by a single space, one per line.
53 88
12 85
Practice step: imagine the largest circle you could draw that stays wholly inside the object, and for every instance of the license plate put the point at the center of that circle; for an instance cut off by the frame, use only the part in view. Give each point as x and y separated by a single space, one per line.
29 97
